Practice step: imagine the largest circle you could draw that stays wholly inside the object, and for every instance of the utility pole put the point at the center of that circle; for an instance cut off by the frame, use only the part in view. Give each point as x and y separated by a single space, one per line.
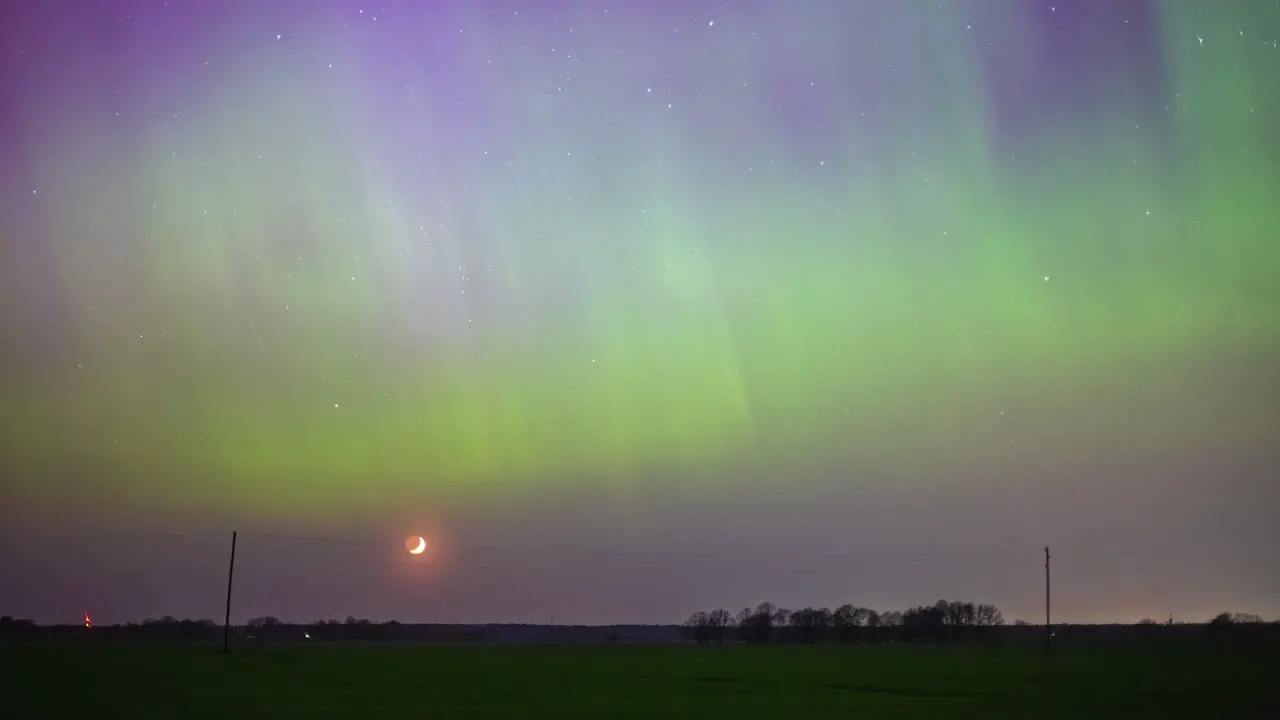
1048 626
226 620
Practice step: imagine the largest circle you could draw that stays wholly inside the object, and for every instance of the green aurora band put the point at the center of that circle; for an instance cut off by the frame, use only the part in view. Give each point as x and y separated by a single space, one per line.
263 301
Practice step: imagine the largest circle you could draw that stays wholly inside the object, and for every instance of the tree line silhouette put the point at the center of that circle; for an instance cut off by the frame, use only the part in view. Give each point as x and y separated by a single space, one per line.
941 622
944 621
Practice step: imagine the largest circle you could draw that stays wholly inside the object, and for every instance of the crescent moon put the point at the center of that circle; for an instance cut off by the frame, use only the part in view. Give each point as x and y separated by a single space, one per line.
416 545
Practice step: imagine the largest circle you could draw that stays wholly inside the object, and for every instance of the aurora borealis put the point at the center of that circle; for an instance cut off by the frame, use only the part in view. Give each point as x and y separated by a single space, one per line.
650 277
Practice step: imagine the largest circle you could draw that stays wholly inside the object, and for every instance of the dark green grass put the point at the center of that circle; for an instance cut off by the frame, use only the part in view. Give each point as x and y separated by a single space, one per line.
424 681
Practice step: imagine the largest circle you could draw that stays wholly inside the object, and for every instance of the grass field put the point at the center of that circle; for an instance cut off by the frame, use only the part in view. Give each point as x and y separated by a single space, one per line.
425 681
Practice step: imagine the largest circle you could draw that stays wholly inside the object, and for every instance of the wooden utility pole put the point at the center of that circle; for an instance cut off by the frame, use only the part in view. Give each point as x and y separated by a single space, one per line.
226 620
1048 625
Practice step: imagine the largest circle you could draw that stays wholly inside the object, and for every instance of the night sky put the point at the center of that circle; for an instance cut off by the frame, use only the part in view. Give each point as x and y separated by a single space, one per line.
638 308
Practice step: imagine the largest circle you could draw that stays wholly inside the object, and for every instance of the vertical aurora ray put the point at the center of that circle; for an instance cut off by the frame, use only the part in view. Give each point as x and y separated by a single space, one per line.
472 250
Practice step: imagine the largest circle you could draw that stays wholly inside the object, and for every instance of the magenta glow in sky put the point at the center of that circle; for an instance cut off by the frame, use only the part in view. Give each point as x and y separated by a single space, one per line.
638 309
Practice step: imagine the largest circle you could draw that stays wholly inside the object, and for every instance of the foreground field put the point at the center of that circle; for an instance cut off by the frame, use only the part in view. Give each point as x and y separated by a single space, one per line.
420 681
